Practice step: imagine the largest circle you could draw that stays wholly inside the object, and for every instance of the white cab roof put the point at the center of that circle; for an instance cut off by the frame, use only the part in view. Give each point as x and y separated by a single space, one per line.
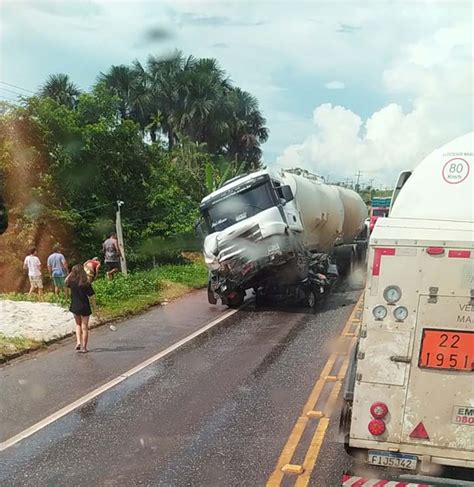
441 186
237 182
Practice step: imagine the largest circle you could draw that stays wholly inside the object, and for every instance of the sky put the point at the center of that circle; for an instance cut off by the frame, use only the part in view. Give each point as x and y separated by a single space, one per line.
345 86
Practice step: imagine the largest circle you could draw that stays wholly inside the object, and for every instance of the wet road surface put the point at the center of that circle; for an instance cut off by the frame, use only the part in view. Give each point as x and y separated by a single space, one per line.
217 412
38 384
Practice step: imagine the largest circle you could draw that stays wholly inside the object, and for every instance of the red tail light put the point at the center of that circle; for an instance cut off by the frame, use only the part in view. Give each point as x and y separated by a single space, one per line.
379 410
376 427
435 250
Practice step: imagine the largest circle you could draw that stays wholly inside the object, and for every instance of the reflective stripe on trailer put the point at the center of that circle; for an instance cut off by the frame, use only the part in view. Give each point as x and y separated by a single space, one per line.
353 481
459 254
378 252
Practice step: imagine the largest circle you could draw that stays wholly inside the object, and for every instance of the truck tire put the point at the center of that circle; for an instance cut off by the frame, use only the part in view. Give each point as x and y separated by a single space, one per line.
235 300
211 297
344 256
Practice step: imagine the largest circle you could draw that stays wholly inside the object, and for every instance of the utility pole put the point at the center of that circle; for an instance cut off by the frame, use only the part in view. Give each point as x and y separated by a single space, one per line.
358 175
118 226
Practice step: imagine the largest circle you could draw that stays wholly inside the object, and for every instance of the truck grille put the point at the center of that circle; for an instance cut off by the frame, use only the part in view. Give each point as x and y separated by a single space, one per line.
254 234
233 248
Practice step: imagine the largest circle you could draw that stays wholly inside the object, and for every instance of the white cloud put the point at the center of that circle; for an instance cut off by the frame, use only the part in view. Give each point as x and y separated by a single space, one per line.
269 48
435 73
335 85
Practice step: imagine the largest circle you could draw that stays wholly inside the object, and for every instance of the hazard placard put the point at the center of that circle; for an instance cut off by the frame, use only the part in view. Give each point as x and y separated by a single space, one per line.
447 349
463 415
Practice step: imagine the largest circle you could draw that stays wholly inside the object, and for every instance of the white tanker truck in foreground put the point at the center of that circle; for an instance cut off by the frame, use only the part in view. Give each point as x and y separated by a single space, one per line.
408 413
284 235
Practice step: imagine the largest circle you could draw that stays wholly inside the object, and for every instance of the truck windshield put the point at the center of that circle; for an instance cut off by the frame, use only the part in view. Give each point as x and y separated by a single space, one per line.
239 206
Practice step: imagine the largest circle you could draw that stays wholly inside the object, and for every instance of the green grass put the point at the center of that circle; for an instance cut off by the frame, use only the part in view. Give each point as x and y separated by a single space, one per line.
13 345
129 295
136 292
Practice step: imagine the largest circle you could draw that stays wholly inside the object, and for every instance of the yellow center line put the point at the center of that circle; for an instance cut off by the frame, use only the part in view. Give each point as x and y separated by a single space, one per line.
320 433
352 318
300 425
298 429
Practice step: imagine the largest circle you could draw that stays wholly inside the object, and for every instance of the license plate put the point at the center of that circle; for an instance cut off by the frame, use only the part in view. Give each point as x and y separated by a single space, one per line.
390 459
447 349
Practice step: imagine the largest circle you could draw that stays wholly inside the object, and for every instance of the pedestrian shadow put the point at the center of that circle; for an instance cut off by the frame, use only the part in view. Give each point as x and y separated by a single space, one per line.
116 349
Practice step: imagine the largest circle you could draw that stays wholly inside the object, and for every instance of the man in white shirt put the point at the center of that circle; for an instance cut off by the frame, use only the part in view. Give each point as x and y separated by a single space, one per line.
33 265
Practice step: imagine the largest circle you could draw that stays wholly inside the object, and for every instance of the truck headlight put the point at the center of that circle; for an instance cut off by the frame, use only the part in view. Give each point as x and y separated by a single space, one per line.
392 294
400 313
379 312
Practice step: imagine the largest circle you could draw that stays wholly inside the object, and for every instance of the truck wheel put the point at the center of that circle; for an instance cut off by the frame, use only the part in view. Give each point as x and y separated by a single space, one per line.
236 298
211 297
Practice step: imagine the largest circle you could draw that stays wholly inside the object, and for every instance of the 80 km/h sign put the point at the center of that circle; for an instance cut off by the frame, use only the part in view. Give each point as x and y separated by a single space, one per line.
456 170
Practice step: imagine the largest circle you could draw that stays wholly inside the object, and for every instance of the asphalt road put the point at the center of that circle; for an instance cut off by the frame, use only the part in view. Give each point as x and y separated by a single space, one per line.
217 412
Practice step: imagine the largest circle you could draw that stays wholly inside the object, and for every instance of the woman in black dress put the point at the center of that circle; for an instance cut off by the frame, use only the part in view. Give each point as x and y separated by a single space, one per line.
82 295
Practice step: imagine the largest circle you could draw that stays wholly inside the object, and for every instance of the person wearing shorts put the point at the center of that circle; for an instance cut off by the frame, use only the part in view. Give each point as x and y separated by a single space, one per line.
91 268
33 265
82 296
57 267
112 255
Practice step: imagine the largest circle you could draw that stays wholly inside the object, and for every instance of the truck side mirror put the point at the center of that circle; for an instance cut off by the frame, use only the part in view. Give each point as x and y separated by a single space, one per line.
287 193
200 228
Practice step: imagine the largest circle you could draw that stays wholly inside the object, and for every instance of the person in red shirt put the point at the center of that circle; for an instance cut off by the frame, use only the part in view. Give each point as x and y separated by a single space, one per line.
91 267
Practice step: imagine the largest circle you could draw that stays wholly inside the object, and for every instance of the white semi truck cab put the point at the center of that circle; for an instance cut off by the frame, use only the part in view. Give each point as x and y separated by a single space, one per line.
269 229
409 399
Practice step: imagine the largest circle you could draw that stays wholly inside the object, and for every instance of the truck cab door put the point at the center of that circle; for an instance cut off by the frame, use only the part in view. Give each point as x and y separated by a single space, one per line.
293 217
288 207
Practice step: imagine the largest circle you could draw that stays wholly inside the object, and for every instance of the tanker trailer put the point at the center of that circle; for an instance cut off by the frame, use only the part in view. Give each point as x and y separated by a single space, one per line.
282 234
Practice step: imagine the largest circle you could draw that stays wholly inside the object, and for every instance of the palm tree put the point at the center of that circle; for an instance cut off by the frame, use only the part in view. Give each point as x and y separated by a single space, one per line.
60 88
190 100
247 129
130 84
206 89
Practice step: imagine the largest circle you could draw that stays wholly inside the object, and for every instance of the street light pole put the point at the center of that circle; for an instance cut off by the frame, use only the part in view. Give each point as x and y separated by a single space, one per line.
118 227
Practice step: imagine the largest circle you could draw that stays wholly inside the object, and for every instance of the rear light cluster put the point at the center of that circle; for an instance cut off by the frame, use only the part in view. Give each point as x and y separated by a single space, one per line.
379 411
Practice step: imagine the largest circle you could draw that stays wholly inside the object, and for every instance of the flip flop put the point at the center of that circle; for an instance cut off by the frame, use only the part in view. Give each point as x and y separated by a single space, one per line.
78 347
84 351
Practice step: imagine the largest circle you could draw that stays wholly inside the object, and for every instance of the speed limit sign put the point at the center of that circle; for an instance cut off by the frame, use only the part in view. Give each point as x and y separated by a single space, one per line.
456 170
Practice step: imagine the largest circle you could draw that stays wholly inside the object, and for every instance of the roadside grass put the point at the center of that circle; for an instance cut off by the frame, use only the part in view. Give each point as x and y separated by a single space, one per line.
121 297
138 291
12 346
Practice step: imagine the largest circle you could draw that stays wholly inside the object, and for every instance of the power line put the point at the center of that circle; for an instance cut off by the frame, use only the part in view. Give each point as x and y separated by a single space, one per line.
17 87
11 91
94 208
8 98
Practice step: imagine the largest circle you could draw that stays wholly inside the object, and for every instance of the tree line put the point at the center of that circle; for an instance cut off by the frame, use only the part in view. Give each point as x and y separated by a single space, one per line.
158 136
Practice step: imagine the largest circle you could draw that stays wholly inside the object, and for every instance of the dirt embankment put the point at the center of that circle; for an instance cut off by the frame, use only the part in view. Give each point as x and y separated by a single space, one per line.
30 223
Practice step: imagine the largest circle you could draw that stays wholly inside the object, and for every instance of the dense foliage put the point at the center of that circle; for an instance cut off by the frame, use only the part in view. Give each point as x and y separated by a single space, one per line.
157 136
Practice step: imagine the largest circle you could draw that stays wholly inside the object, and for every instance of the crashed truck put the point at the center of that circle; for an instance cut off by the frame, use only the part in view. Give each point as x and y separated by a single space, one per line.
286 235
408 399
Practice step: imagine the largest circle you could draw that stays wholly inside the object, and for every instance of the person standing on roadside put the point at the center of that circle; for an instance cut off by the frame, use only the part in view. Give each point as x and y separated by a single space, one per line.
112 255
33 265
82 295
91 267
58 269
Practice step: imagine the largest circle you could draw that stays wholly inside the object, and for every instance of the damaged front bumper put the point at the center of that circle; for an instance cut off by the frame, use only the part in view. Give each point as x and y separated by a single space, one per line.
243 273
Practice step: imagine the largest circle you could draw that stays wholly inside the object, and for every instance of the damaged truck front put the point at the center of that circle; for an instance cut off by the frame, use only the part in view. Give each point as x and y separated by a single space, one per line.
274 232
